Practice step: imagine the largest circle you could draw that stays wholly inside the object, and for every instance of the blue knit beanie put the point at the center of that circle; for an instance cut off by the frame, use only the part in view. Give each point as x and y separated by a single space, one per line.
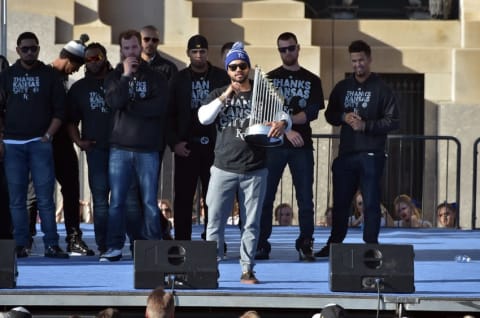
237 53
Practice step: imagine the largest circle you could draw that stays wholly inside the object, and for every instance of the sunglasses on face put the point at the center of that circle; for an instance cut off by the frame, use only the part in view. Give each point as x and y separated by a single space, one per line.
25 49
94 58
233 67
148 39
290 48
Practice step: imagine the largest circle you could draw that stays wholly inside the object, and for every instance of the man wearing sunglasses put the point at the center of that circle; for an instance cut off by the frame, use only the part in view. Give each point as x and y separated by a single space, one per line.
303 95
150 54
69 61
239 167
192 142
86 102
32 108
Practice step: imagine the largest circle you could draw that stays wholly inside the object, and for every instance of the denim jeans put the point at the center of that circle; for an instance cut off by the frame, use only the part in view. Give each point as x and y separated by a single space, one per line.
124 166
360 171
36 158
300 162
250 188
97 160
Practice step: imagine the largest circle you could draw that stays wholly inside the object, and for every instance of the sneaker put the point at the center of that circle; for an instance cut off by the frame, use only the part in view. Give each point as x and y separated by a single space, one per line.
248 277
304 247
324 252
54 251
77 247
262 254
111 255
21 251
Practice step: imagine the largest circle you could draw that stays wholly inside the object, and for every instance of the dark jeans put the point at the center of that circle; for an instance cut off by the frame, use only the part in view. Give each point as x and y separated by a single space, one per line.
300 161
187 172
360 171
5 217
66 172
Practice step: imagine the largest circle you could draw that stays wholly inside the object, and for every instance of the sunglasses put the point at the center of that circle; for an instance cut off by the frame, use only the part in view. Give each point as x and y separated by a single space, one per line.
233 67
33 49
94 58
148 39
290 48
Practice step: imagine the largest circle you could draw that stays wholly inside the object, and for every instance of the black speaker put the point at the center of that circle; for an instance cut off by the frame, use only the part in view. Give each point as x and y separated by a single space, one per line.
386 268
177 264
8 264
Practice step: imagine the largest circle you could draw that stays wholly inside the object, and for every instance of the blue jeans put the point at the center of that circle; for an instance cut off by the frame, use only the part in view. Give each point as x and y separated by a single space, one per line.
35 157
360 171
124 166
98 181
250 188
300 161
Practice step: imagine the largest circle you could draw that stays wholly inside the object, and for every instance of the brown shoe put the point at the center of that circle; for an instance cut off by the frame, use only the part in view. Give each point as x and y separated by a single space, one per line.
249 278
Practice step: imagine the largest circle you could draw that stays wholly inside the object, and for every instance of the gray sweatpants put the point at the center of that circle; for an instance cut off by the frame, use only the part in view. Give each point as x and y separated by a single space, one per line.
222 188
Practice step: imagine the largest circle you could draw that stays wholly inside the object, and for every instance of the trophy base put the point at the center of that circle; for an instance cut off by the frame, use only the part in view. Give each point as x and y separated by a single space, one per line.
258 135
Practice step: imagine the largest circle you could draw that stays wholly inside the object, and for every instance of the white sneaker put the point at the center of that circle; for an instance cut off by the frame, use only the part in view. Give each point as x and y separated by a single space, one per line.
111 255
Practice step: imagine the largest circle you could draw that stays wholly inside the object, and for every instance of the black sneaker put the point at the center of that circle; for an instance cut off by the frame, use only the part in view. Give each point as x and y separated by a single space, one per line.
262 254
54 251
77 247
324 252
304 247
248 277
21 251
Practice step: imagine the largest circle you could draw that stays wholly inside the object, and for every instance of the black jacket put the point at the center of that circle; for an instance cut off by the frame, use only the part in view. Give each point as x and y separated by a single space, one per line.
139 103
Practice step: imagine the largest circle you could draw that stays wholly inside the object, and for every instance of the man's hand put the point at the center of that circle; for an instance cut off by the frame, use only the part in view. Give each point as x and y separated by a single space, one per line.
277 129
85 145
355 121
130 65
295 138
181 149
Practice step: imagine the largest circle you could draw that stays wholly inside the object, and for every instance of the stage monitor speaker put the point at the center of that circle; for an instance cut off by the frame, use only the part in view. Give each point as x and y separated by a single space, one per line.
386 268
8 264
175 264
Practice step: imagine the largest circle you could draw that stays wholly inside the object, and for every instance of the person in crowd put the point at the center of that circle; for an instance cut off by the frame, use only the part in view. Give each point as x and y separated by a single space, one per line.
151 55
356 219
167 214
160 304
327 217
30 87
446 215
366 110
5 218
250 314
239 167
138 97
109 313
284 214
408 214
192 143
86 102
303 95
69 61
18 312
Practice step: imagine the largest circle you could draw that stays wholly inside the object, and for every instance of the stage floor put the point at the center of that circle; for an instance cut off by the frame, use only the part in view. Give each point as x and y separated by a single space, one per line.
441 283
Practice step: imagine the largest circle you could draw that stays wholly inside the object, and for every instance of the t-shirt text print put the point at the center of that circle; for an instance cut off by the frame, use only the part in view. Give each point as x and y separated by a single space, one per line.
293 89
236 114
26 85
137 89
97 102
200 90
354 100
